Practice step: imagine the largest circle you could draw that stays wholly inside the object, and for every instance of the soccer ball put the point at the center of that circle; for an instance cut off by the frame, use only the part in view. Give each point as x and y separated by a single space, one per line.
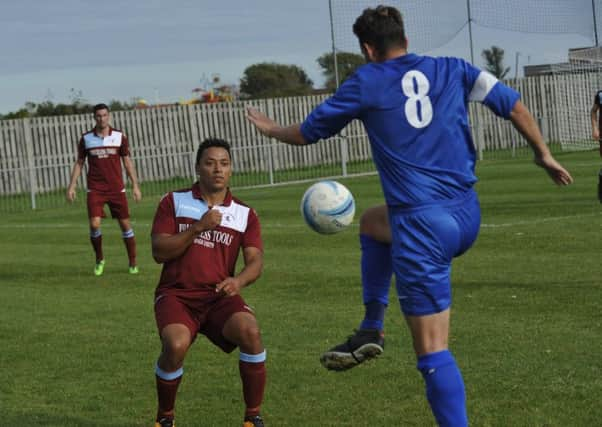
328 207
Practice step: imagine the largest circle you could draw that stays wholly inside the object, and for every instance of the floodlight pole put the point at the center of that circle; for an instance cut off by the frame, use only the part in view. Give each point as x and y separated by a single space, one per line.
595 23
470 31
334 47
344 154
477 138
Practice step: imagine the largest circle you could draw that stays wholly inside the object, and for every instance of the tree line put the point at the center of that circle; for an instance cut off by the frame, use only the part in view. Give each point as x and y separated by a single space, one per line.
262 80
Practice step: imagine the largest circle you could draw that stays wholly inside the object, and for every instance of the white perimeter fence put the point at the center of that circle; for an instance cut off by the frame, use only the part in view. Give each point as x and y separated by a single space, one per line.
36 155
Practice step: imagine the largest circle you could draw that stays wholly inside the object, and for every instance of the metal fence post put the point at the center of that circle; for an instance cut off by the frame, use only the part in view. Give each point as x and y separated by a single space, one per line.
33 184
344 155
543 127
270 113
480 140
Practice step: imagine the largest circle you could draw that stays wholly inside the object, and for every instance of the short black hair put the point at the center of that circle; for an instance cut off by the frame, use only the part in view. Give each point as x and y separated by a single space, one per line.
212 142
382 28
100 107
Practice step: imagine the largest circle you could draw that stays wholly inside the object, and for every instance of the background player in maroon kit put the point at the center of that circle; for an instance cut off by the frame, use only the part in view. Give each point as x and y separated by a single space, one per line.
197 234
105 147
596 125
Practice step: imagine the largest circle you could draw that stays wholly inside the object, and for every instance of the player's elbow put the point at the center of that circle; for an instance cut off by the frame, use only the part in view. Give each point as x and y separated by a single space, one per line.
519 109
520 115
158 255
257 268
259 271
158 258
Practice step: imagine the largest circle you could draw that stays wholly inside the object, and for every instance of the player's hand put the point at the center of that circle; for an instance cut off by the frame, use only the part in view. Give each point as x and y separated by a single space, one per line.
209 221
558 174
262 122
596 135
137 194
230 286
71 194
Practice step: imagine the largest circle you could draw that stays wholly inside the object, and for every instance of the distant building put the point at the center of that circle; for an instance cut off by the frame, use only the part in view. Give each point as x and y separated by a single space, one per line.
581 59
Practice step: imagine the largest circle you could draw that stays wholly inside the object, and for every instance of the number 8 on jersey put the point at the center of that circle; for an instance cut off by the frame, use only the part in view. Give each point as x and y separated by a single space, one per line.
418 107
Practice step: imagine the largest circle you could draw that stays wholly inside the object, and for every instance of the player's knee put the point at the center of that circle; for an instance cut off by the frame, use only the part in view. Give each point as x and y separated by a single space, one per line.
367 220
252 333
374 223
250 337
125 225
176 348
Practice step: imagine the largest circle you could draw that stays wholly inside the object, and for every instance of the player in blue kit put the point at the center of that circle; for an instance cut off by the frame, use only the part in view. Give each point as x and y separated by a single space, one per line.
415 112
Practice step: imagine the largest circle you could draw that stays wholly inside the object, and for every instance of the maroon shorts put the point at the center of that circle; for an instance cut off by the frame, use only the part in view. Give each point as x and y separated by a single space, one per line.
206 314
118 204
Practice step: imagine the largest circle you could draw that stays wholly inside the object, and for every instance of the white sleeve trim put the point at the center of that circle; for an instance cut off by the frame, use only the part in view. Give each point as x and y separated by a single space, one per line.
482 86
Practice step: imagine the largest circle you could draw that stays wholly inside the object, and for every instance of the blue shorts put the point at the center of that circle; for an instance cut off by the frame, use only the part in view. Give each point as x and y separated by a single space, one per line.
425 239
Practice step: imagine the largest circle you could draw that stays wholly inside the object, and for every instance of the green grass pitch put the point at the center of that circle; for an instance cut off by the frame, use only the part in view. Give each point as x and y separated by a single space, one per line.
77 350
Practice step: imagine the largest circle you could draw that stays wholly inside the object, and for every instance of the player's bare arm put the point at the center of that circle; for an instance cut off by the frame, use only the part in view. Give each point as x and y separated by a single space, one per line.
290 135
524 122
594 117
75 173
251 272
166 247
130 169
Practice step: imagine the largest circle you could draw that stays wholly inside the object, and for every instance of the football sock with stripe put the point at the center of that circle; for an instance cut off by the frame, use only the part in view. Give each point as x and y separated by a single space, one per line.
444 388
96 240
130 245
167 388
253 376
377 269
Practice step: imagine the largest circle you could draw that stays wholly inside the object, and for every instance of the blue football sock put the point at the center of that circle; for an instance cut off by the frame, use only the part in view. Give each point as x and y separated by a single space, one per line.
377 269
374 316
444 388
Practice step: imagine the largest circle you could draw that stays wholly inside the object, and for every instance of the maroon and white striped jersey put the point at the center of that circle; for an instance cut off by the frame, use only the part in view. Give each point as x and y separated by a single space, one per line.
104 159
212 256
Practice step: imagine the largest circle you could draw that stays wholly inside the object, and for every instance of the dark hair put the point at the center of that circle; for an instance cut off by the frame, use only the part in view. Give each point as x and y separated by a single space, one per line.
382 28
100 107
212 142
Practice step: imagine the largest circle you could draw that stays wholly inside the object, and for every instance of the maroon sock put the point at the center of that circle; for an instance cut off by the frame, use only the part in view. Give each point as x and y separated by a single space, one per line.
97 245
166 393
130 245
253 377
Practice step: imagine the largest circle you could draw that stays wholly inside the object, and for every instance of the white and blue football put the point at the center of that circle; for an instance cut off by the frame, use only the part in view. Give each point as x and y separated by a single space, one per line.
328 207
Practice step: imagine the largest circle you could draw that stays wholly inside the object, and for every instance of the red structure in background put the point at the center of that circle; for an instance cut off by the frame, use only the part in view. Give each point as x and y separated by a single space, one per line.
208 93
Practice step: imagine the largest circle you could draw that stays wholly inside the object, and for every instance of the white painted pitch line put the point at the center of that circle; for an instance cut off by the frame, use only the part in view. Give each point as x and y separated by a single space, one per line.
541 220
266 225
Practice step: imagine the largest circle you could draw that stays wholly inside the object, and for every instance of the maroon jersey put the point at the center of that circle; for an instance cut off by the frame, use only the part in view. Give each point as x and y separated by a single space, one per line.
104 159
212 256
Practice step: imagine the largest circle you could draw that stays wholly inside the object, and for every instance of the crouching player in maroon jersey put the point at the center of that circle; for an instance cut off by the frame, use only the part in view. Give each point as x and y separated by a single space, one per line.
105 147
197 234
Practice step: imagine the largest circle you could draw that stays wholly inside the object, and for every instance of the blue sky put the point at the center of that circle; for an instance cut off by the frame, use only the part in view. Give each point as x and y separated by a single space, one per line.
160 50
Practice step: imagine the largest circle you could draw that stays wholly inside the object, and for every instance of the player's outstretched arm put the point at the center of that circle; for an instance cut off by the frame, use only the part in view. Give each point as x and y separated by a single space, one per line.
290 135
524 122
75 173
131 172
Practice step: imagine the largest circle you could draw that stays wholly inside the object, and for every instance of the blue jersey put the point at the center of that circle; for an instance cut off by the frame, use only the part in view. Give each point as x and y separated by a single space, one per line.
415 112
